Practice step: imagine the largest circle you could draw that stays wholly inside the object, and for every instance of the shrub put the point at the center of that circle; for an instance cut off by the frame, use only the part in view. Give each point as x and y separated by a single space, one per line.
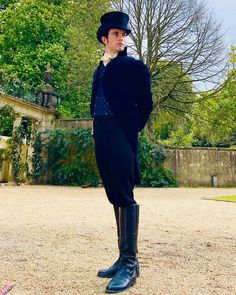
38 166
151 159
6 120
70 157
2 158
19 166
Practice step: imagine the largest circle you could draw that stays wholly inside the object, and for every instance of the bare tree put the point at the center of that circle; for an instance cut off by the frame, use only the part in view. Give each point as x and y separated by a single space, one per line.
181 43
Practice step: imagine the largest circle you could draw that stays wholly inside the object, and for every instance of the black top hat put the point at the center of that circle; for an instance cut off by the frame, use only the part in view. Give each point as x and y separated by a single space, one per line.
113 20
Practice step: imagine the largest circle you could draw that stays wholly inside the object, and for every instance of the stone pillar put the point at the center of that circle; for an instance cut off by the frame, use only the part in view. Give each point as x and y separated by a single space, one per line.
35 128
16 124
48 122
17 121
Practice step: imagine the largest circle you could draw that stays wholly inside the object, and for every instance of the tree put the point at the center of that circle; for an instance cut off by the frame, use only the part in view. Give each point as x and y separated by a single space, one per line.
83 53
4 4
219 112
181 43
60 32
211 122
32 35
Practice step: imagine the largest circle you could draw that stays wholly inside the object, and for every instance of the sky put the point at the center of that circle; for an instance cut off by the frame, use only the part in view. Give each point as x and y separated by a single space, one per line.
225 12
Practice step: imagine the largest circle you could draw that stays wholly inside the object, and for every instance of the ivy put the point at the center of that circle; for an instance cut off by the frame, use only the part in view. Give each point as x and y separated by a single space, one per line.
20 89
153 172
6 120
38 165
71 160
19 167
14 154
2 158
70 157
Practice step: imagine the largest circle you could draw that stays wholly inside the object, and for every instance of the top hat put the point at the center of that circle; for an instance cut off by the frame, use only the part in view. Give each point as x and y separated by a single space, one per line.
113 20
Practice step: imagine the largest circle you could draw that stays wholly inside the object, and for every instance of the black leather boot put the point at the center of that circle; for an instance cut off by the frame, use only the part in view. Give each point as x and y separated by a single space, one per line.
127 273
111 271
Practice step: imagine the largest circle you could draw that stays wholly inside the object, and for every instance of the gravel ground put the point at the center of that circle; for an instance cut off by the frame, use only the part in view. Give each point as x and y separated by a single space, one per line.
54 239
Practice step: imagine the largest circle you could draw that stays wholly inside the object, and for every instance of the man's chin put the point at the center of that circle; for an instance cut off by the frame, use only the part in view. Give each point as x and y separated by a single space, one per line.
121 48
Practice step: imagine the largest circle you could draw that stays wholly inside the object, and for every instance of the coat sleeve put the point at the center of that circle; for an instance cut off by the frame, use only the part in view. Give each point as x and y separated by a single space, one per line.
144 94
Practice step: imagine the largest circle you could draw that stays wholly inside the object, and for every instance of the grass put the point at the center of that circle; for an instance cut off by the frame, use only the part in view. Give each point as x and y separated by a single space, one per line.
225 198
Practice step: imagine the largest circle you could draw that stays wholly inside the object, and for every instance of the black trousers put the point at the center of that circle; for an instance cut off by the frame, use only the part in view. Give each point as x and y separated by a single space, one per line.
115 161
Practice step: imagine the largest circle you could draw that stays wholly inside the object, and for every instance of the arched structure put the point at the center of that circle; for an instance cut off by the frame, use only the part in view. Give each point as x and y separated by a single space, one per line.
41 119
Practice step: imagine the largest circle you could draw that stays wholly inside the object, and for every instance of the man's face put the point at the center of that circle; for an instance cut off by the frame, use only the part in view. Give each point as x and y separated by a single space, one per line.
115 41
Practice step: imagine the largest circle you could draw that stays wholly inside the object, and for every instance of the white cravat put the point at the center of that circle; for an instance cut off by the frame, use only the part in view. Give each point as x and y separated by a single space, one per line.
107 57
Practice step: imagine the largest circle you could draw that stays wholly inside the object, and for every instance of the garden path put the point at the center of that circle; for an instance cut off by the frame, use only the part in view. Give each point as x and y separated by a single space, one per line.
54 239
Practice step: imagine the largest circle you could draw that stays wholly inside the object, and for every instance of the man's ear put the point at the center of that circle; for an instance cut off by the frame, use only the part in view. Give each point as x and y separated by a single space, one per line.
104 40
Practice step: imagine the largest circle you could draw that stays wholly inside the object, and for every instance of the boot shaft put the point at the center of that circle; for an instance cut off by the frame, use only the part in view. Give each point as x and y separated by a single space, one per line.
128 270
128 223
117 217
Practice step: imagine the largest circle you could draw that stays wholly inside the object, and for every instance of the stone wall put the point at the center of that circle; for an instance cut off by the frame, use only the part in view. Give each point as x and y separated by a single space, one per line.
42 118
203 166
74 123
191 166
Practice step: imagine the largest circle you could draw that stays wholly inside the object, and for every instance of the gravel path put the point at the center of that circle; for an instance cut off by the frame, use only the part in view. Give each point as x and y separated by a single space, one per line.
54 239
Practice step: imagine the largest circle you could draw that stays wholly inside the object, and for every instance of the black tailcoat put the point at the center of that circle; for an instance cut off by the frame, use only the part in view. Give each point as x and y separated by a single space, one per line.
127 88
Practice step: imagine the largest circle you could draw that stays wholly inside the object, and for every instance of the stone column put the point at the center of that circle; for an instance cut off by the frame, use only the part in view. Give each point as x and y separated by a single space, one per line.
17 121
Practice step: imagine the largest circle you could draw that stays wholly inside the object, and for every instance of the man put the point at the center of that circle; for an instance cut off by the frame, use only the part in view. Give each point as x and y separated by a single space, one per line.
121 103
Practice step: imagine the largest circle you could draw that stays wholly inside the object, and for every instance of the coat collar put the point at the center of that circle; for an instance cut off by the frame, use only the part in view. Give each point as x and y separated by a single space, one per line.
123 53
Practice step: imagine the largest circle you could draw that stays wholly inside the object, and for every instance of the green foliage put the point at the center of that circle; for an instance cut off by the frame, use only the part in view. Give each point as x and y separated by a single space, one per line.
4 4
171 93
83 52
212 122
18 88
2 158
19 167
71 159
153 172
218 114
14 154
60 32
6 120
38 166
180 138
173 130
31 35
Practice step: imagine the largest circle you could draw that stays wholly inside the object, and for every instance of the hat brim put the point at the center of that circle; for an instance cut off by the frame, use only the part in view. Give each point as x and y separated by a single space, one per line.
103 31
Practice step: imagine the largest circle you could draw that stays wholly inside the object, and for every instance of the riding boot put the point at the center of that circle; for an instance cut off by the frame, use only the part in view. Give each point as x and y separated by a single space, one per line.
127 272
111 271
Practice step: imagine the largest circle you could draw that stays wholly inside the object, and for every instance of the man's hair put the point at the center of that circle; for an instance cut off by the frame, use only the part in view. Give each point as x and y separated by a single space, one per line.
106 36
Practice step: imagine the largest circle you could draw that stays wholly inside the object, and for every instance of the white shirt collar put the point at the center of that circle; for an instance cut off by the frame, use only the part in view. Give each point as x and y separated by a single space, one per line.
107 57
